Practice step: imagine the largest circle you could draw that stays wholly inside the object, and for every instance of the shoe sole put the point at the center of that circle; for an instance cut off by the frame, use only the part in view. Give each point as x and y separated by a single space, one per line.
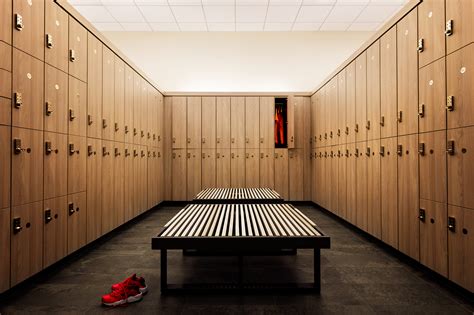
130 299
144 290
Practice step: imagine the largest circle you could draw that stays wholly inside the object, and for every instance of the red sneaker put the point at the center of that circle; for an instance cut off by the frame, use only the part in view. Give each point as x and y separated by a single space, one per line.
122 295
133 281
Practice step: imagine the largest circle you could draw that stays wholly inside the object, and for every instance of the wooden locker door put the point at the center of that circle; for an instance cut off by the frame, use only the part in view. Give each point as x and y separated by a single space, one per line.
307 142
237 122
407 69
252 168
431 29
296 185
119 99
209 123
351 183
137 107
178 164
342 180
6 9
143 179
432 152
119 179
166 147
5 245
150 116
160 179
281 176
94 87
314 173
313 123
223 124
321 118
388 84
143 113
389 191
267 122
55 230
193 174
77 113
333 167
28 33
128 99
208 167
160 124
55 27
267 168
223 168
5 166
252 122
433 236
108 94
151 178
331 111
27 176
56 100
460 13
194 122
351 102
26 241
76 222
28 85
76 164
341 107
55 164
237 168
374 222
460 243
300 135
136 181
361 97
373 91
128 185
361 190
408 196
78 50
94 189
178 123
291 112
432 87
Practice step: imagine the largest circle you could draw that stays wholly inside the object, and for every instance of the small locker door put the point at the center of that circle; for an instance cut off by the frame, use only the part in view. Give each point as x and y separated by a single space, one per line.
314 128
433 236
223 124
5 245
388 84
56 100
307 149
151 184
77 114
291 112
137 107
361 97
331 111
108 94
389 191
460 25
178 122
76 222
5 89
295 175
351 183
6 29
193 167
408 196
28 22
27 159
55 230
342 182
333 169
373 92
78 52
119 169
208 168
432 152
351 102
314 172
77 152
282 173
209 123
150 115
28 85
223 168
252 168
143 179
26 241
341 107
431 29
374 222
252 117
136 181
237 168
432 87
193 122
361 184
178 165
143 113
5 166
267 168
94 87
159 176
128 111
267 122
237 122
55 164
128 183
119 99
55 27
160 124
94 189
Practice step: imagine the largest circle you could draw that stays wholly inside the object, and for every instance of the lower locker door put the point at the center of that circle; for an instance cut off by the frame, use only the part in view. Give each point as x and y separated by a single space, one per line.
296 175
193 177
107 196
252 171
237 168
208 157
94 187
55 230
361 183
351 183
267 168
77 220
282 181
389 191
223 168
5 223
77 164
342 182
374 222
128 182
119 169
178 175
5 166
55 164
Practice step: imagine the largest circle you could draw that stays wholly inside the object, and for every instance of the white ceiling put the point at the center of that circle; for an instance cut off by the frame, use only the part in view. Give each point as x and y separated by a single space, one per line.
237 15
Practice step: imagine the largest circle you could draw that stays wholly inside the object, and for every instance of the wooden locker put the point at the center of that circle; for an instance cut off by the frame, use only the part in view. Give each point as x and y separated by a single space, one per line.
296 172
56 153
252 122
223 168
388 84
351 183
56 25
291 108
407 70
341 107
77 113
26 241
56 100
362 182
143 113
314 174
28 85
432 104
194 175
178 122
237 168
79 52
460 243
459 14
408 196
136 181
178 175
94 191
373 91
432 152
314 126
209 123
108 94
301 135
351 102
307 153
324 190
267 122
223 122
107 186
5 166
389 191
374 223
5 111
76 163
5 89
76 222
150 115
119 100
6 9
94 87
128 98
433 237
55 230
28 32
252 168
331 110
281 176
119 193
361 97
128 185
143 179
342 181
160 123
5 245
193 122
267 168
159 176
151 179
460 147
167 145
431 30
208 166
27 176
237 122
321 118
333 171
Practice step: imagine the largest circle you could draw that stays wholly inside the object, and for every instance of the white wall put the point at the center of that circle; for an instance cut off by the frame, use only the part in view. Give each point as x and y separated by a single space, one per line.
238 62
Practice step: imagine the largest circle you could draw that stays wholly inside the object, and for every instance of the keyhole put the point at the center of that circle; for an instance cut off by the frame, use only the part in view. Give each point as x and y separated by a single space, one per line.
28 225
56 216
408 152
464 231
431 151
28 150
77 209
388 152
56 151
463 150
432 220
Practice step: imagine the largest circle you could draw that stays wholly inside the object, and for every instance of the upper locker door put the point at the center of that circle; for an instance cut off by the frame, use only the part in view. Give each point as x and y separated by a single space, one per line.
314 130
137 107
374 222
373 92
152 116
209 123
388 84
332 110
128 106
389 191
361 97
194 122
341 107
431 29
282 173
295 174
459 24
193 167
223 124
77 113
28 22
208 168
178 122
160 123
108 94
78 43
56 25
119 99
291 111
252 119
267 121
407 69
267 168
144 112
94 87
432 87
56 100
237 122
6 15
351 102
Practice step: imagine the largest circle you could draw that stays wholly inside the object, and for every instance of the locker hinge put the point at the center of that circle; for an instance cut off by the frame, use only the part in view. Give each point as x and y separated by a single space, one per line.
422 215
48 147
105 152
382 150
399 117
449 28
89 120
421 45
17 225
126 129
90 151
72 55
70 208
17 146
452 224
356 129
421 110
367 151
47 216
368 125
72 116
18 99
399 149
382 121
450 147
49 41
116 127
127 152
71 149
104 123
450 103
49 109
18 22
347 130
421 148
117 152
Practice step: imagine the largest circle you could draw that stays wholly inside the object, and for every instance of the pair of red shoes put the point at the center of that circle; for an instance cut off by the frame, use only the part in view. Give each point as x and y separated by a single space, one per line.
130 290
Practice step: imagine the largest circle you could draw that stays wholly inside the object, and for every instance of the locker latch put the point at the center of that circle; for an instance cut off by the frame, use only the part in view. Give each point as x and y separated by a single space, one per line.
135 133
90 151
127 153
203 155
382 121
422 215
232 140
135 154
117 152
104 123
261 155
325 135
72 149
143 153
126 129
367 151
261 140
368 125
452 224
382 150
218 140
203 140
154 137
149 154
159 154
330 134
148 135
399 149
18 22
105 152
347 130
338 133
116 127
159 138
399 117
17 225
89 120
18 100
347 153
72 55
47 216
17 146
450 147
450 103
70 208
356 152
49 109
49 41
142 133
421 45
48 147
421 110
154 154
421 148
356 129
72 116
449 28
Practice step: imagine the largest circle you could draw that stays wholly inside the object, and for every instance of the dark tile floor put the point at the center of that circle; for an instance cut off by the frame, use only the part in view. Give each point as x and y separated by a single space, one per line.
358 277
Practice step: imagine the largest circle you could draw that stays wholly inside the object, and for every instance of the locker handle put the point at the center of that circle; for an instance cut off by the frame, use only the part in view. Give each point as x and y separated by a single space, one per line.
174 140
104 123
218 140
47 216
117 152
72 55
49 148
49 41
17 225
261 140
126 129
399 150
421 110
203 140
382 150
356 129
232 155
347 130
232 140
72 116
368 151
276 155
70 207
382 121
89 120
325 135
189 140
135 153
421 148
127 152
104 151
450 103
142 154
449 28
247 140
154 137
422 215
330 134
450 147
72 149
368 125
399 118
18 99
149 153
135 131
90 151
116 127
247 155
203 155
452 224
148 135
421 45
142 133
17 149
18 22
338 132
49 109
154 154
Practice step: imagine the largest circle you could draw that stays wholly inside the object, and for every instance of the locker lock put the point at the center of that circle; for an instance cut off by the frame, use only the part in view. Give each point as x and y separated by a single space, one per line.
148 135
450 103
154 154
356 152
90 151
47 216
89 120
18 22
49 109
422 215
399 117
17 149
142 133
368 125
450 147
72 55
382 150
261 140
18 99
347 130
452 224
159 154
325 136
421 45
347 153
126 129
421 110
399 149
135 133
330 134
17 225
116 127
72 149
104 123
421 148
117 152
154 137
49 41
232 155
149 153
367 151
356 129
49 148
382 121
292 139
72 115
143 153
135 153
127 152
105 152
449 28
338 132
70 208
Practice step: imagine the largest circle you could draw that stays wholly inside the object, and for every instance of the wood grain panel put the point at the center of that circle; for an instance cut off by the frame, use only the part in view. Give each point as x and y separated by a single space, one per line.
237 122
374 223
433 161
388 84
351 102
281 173
342 181
237 168
143 112
208 123
119 179
223 123
77 115
55 165
108 94
267 168
267 122
128 186
461 13
6 9
56 100
94 191
76 164
361 97
307 149
77 222
78 45
178 163
94 87
56 24
5 166
252 119
351 183
389 191
208 167
161 121
55 231
30 38
431 27
373 92
128 114
252 168
119 100
194 122
5 245
296 171
432 87
193 174
341 107
223 169
361 190
178 124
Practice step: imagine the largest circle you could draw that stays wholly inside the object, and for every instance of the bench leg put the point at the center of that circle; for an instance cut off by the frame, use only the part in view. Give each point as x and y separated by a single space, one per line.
317 269
164 271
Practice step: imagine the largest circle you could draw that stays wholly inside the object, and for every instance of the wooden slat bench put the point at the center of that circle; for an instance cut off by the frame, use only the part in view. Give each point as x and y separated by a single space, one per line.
237 196
242 228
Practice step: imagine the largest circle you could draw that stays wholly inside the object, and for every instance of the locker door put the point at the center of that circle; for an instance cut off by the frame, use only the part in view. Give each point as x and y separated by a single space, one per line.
178 122
5 89
78 52
307 149
54 230
351 102
136 181
295 175
351 183
407 69
431 28
55 164
143 180
151 184
29 27
209 122
94 191
143 113
237 122
314 128
432 152
160 125
433 236
128 111
208 166
5 166
408 196
160 181
460 243
193 173
119 169
223 168
77 115
128 184
334 177
5 245
94 87
282 181
432 87
341 107
332 111
27 177
108 94
342 181
388 84
76 222
267 122
291 112
252 119
28 85
194 122
361 97
389 191
460 13
223 124
361 190
56 97
314 174
373 188
119 98
137 107
252 168
55 26
6 29
151 115
26 241
461 167
267 168
373 92
76 164
178 165
460 87
237 168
